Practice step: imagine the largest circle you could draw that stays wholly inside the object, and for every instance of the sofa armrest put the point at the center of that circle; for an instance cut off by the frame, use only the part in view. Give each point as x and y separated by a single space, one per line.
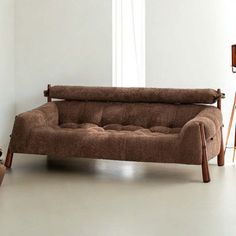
210 117
48 112
46 115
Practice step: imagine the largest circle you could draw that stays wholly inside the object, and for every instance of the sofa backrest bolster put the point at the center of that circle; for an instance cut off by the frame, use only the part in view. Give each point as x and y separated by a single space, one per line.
149 95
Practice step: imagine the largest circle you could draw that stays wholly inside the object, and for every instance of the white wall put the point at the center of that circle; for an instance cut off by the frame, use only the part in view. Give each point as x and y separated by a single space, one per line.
7 97
69 42
61 42
188 44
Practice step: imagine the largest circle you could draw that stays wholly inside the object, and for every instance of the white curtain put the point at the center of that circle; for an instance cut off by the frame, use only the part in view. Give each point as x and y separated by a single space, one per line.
129 43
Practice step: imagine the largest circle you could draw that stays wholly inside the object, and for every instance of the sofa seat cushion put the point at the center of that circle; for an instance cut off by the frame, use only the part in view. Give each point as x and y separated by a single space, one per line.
89 127
109 142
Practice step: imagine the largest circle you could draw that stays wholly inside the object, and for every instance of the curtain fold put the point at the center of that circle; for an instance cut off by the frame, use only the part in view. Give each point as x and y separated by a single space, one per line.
129 43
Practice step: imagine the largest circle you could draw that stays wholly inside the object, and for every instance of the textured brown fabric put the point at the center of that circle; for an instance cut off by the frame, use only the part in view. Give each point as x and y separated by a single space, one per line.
44 116
161 95
152 132
139 114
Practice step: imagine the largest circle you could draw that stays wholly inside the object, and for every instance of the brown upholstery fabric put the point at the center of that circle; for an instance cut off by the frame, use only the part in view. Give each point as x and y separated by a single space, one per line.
108 94
139 114
154 132
44 116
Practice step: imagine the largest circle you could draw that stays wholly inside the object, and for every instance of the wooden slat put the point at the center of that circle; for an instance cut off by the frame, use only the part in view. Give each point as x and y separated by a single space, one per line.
230 123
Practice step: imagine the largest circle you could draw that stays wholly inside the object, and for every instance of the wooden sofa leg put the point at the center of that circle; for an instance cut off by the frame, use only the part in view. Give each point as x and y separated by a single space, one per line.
2 173
205 169
221 156
9 157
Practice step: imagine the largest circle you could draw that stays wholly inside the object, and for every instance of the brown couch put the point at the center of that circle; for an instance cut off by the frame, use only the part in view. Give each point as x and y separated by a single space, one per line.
132 124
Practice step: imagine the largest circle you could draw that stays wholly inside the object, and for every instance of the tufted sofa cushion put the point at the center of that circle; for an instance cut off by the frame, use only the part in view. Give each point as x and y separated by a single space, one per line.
89 127
144 115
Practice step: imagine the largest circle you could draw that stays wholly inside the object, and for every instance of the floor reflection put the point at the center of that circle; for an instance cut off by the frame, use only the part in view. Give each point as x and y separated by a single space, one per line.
117 169
124 170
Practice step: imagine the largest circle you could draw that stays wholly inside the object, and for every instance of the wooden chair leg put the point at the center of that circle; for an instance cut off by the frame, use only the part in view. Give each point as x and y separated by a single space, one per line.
9 157
221 156
205 169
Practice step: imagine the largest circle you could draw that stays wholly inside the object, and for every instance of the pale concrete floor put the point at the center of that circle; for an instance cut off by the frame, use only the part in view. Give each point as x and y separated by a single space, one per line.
110 198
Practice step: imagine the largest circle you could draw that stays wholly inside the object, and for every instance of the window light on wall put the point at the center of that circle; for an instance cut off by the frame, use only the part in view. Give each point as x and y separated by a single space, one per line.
129 43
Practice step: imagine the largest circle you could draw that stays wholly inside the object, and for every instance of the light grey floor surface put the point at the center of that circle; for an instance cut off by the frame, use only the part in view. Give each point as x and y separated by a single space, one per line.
111 198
